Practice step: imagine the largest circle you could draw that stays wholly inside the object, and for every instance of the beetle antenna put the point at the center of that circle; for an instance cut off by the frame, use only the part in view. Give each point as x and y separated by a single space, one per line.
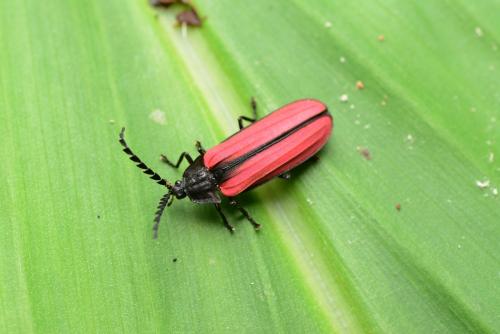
165 201
146 170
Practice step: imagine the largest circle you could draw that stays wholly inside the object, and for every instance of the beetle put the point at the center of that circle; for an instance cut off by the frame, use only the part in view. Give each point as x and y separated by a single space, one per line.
267 148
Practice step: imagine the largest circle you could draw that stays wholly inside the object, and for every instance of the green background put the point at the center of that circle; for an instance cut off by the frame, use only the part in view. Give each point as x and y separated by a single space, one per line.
334 254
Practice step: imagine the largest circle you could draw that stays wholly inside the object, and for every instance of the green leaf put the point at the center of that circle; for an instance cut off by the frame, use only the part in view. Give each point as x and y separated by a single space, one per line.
334 253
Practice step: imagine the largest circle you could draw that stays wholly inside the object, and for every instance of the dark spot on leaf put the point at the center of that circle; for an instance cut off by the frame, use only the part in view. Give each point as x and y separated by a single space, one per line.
189 17
365 153
163 3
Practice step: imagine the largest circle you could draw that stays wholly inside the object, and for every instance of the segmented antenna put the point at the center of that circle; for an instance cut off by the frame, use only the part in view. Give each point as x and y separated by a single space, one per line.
146 170
165 201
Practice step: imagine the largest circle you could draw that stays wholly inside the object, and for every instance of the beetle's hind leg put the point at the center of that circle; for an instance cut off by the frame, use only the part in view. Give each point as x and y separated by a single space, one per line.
245 213
253 104
285 175
224 219
184 155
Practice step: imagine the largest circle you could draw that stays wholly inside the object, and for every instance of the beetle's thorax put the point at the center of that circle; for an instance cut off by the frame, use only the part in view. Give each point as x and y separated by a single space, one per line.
199 183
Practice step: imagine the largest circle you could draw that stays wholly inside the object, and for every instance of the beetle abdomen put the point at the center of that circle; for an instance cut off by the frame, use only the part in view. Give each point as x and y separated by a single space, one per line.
273 145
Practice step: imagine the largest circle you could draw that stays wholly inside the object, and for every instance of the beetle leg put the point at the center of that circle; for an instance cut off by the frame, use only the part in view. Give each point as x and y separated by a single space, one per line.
253 104
245 213
199 148
285 176
224 220
184 155
314 158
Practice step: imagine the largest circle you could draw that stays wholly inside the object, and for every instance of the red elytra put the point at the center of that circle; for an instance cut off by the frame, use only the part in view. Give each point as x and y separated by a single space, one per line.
309 126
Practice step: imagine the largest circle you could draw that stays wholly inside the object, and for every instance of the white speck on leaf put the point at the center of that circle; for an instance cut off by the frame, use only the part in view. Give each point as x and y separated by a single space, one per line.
478 31
409 139
328 24
491 157
483 184
344 98
342 60
158 116
494 191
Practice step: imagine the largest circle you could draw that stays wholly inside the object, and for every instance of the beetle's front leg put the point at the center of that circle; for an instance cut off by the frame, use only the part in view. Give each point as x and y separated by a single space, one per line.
224 219
245 213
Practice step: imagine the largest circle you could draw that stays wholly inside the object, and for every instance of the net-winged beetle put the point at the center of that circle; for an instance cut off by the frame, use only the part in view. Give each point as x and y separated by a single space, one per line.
267 148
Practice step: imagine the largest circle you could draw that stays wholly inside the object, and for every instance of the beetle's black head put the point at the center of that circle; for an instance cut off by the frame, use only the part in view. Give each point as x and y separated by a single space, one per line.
178 189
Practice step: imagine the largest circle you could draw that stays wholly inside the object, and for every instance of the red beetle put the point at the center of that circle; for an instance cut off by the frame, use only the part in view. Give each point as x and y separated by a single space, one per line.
269 147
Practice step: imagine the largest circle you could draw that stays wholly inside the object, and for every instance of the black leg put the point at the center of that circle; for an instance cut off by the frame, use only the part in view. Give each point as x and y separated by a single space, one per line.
285 176
246 118
224 220
183 156
245 213
199 148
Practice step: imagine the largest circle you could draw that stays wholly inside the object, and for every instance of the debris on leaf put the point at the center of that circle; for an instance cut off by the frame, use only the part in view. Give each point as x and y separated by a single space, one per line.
494 191
398 206
381 38
360 85
158 116
328 24
491 157
342 60
478 31
344 98
483 184
189 17
409 139
364 152
165 3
